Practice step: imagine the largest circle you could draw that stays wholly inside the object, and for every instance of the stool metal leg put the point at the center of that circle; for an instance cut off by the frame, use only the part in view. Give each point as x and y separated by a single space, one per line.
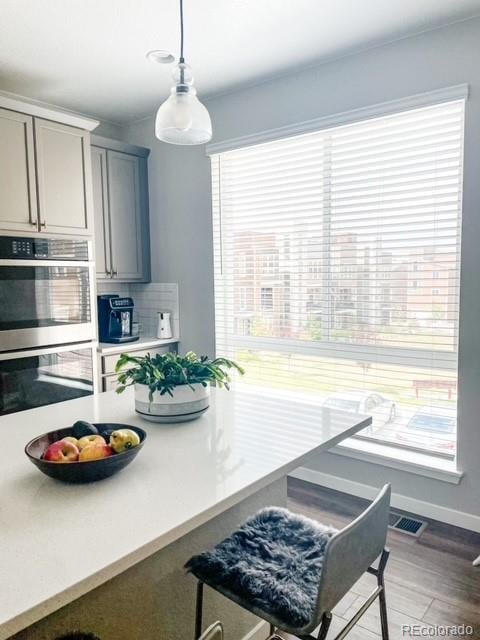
325 626
199 610
381 596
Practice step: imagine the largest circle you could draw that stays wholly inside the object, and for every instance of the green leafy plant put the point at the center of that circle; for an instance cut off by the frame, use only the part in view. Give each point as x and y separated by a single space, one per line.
164 372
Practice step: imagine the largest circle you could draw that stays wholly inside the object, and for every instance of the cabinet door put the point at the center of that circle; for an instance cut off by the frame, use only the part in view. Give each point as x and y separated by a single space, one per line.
109 362
18 200
109 383
63 178
125 203
101 213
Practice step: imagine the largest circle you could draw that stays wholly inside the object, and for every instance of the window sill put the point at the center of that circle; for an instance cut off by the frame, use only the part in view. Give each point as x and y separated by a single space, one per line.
414 462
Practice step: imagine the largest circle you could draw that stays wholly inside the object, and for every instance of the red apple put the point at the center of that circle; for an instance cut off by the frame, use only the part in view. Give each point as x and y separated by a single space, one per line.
96 451
61 451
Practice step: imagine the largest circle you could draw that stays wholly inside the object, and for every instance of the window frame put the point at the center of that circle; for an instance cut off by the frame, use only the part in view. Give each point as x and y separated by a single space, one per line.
328 347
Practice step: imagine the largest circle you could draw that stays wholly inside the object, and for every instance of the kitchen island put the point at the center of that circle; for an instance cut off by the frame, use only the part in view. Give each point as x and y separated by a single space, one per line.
107 557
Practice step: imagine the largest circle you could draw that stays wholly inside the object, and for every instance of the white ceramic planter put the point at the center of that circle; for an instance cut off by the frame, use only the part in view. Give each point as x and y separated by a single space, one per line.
186 404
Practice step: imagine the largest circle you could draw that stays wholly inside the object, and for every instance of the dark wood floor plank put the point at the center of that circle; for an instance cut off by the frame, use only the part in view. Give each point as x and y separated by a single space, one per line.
396 620
404 599
357 633
433 583
443 613
345 603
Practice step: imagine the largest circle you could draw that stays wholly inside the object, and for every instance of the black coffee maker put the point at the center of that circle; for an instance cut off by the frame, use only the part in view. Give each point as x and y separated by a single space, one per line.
115 319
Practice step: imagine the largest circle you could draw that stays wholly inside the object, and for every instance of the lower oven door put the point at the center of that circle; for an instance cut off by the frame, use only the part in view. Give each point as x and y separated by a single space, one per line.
44 303
30 379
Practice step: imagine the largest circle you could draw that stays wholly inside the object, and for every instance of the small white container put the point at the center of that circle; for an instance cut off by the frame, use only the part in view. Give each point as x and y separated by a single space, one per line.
164 328
136 328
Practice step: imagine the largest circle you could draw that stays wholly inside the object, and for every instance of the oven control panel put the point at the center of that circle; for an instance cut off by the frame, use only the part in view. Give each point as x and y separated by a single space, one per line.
22 248
43 249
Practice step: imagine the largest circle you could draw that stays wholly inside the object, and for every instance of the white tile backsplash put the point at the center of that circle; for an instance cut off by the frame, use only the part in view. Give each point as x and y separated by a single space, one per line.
120 288
149 298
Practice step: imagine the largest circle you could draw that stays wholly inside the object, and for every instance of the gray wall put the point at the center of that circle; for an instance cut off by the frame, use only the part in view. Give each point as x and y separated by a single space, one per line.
108 129
181 217
181 230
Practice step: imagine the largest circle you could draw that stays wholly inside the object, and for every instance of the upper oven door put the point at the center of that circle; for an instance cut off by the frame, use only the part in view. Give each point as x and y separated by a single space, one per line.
45 301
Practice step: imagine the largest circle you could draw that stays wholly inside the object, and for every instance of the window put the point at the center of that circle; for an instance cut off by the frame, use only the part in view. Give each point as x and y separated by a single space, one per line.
242 265
266 299
243 298
269 262
314 267
372 209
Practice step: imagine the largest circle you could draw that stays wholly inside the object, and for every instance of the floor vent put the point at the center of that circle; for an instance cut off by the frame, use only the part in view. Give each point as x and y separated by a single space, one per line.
405 524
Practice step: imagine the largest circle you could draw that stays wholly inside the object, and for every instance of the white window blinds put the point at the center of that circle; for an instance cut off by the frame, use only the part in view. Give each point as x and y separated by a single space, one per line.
337 269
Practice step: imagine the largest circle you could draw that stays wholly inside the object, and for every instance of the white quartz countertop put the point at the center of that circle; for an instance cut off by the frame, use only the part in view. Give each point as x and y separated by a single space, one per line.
59 541
144 342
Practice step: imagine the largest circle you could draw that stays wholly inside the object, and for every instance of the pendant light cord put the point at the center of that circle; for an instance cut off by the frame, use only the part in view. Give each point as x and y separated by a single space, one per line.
181 32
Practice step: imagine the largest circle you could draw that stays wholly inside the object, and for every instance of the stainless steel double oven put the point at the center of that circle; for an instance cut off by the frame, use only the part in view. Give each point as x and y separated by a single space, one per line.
47 323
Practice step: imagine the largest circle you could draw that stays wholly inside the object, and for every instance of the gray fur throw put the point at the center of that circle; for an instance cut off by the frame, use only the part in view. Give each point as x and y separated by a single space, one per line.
272 563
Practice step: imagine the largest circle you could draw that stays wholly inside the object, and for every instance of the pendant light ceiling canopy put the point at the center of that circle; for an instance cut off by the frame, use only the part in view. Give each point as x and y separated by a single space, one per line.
182 118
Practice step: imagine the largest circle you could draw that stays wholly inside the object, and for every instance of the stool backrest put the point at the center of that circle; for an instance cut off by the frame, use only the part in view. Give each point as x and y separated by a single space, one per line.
214 632
352 550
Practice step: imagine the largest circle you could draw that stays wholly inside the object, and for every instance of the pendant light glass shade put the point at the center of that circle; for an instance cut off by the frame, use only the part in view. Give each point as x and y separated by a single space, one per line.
182 118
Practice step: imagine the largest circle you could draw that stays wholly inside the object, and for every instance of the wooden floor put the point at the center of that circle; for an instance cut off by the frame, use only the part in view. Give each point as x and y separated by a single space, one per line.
429 580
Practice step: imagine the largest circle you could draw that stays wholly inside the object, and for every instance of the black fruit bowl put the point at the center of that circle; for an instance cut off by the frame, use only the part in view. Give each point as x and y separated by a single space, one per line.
85 471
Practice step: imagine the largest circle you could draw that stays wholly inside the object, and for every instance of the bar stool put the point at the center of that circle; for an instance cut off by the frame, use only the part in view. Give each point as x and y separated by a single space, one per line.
291 571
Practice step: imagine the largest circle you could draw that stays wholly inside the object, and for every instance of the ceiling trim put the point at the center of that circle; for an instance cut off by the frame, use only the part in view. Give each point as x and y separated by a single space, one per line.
119 145
39 109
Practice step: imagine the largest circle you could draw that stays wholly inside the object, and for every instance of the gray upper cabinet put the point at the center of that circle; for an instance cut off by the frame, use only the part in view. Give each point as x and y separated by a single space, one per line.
101 213
120 188
125 215
45 171
63 178
18 199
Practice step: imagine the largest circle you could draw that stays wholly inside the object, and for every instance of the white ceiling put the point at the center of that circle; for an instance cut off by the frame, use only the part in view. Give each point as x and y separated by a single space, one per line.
89 55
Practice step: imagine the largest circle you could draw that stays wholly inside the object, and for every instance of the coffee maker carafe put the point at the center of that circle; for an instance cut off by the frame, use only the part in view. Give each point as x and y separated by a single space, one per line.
115 319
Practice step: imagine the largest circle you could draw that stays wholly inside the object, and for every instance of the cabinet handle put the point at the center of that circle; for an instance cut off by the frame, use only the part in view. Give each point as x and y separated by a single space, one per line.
114 273
43 224
34 223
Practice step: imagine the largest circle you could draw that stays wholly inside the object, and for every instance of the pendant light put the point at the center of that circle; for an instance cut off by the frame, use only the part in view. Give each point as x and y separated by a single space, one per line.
182 118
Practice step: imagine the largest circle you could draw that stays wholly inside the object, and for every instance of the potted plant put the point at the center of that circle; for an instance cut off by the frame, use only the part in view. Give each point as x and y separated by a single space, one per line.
170 387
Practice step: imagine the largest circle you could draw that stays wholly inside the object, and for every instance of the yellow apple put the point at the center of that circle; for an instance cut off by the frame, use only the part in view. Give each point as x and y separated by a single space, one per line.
91 439
124 439
95 451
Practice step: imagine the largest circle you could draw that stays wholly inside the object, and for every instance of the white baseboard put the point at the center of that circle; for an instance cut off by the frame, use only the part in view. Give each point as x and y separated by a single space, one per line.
259 632
405 503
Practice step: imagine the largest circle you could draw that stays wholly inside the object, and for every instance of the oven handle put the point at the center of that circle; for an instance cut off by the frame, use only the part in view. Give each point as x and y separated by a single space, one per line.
45 263
14 355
